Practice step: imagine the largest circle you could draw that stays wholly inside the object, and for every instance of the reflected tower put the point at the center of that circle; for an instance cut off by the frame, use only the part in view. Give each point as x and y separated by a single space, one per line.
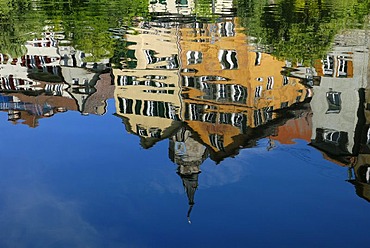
188 154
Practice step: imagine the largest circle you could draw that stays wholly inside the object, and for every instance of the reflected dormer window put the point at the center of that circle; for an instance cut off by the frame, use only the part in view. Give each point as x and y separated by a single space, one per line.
228 59
334 102
155 133
141 131
338 140
332 136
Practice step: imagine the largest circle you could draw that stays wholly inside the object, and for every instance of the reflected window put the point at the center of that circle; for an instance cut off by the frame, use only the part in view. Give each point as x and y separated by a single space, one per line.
238 93
333 141
131 60
332 136
150 58
285 80
193 112
225 118
209 117
267 113
258 92
125 105
237 120
284 105
258 59
226 29
180 2
194 57
270 83
228 59
221 91
231 118
155 132
257 118
344 68
334 102
141 131
173 62
328 66
14 115
217 141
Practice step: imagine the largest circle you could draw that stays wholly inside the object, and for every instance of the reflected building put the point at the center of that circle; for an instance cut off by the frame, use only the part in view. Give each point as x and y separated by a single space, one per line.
30 109
51 79
298 127
359 176
359 170
82 77
230 90
28 83
147 91
341 125
202 86
338 124
206 75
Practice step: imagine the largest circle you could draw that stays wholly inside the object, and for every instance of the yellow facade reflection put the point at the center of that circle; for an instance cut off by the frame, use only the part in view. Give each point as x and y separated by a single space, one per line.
228 86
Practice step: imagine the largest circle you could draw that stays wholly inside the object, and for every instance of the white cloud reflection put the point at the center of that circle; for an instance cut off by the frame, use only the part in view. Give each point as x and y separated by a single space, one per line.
32 216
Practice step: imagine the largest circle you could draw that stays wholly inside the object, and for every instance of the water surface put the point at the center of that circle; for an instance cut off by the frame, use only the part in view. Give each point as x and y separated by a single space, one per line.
204 124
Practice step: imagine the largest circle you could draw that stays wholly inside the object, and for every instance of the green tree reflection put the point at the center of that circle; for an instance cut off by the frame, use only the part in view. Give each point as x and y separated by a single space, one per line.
14 30
85 24
300 29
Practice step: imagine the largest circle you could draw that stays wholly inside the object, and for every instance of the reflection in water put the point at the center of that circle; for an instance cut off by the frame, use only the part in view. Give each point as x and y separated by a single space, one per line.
188 154
207 77
51 78
359 175
205 85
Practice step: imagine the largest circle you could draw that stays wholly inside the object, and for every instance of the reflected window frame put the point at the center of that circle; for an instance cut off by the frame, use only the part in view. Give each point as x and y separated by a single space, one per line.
334 101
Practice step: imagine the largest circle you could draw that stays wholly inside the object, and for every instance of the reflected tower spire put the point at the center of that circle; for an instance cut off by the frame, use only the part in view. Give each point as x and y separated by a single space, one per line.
188 154
190 183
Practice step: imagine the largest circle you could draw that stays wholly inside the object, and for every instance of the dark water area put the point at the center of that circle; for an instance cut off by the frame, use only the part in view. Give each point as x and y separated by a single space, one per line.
184 123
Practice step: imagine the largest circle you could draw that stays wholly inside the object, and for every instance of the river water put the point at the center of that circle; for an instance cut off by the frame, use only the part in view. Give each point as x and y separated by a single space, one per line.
184 123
